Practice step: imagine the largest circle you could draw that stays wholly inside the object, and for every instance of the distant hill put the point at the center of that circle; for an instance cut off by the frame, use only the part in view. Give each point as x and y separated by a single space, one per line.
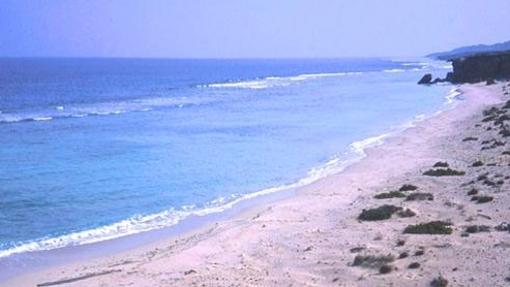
471 50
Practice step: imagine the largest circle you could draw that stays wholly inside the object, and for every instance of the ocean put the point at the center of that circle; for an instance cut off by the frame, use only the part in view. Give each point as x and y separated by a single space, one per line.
96 149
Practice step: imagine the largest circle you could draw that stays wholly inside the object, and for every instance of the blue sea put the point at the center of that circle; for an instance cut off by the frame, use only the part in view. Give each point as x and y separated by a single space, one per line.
96 149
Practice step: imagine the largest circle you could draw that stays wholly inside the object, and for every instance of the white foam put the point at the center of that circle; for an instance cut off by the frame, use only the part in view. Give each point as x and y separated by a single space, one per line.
102 109
270 82
394 70
42 118
452 96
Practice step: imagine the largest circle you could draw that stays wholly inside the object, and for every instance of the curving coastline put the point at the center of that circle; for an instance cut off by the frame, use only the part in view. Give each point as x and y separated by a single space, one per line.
302 226
169 218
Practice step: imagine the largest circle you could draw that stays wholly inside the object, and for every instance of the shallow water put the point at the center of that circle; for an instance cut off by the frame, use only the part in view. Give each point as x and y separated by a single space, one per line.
93 149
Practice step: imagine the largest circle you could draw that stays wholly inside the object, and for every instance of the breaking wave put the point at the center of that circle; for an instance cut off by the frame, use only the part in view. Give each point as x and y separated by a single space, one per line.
271 82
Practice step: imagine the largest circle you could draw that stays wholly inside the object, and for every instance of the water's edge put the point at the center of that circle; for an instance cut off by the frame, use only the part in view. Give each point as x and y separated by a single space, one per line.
25 261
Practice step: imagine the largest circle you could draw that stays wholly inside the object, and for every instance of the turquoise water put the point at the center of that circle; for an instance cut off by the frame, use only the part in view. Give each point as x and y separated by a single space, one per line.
94 149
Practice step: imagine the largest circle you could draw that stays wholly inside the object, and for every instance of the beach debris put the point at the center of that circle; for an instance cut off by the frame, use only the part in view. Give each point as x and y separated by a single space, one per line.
433 227
191 271
420 196
379 213
444 172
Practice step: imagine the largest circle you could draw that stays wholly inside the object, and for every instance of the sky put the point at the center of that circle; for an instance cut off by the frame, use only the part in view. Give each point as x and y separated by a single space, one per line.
247 28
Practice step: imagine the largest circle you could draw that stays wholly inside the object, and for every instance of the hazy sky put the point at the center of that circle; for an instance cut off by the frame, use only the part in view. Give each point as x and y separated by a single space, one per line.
251 28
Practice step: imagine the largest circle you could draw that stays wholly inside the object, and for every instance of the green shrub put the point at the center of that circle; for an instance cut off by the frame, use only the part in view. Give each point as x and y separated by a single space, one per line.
379 213
439 282
385 269
433 227
477 163
420 196
470 139
408 187
482 198
372 261
406 213
477 228
444 172
473 191
390 194
441 164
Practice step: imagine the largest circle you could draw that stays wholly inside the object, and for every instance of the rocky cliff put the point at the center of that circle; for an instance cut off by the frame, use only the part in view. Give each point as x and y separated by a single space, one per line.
480 67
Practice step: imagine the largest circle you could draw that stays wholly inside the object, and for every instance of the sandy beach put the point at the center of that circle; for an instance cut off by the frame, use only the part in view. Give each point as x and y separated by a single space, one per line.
317 237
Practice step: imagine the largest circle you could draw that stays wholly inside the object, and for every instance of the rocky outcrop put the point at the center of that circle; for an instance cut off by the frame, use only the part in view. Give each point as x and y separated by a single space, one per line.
426 79
481 67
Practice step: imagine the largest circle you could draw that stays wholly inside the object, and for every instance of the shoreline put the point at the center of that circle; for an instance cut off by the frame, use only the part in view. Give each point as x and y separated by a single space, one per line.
354 152
309 199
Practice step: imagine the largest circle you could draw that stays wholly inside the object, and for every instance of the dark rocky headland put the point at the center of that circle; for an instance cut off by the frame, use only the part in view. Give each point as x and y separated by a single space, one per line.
476 68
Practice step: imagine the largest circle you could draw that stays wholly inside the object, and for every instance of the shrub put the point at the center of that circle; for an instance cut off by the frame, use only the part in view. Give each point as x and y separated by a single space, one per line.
406 213
477 228
444 172
403 255
482 198
477 163
408 187
470 139
473 191
441 164
439 282
420 196
390 194
505 133
482 177
357 249
503 227
419 253
385 269
372 261
491 111
379 213
433 227
401 242
414 265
